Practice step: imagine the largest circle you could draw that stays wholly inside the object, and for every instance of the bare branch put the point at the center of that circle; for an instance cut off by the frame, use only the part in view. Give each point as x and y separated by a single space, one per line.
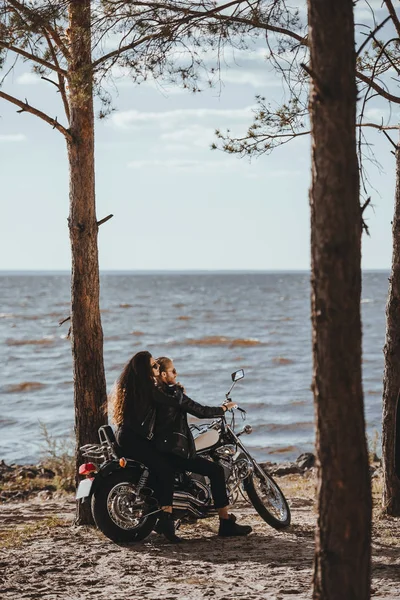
33 58
390 139
363 223
381 91
376 126
25 107
371 36
64 321
104 220
61 79
393 14
51 81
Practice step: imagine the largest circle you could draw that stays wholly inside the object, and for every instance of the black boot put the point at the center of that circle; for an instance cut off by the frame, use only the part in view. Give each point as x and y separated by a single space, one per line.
166 527
229 527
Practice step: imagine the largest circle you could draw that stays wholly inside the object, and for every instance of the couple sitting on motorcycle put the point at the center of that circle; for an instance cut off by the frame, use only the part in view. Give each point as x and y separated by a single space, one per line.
150 411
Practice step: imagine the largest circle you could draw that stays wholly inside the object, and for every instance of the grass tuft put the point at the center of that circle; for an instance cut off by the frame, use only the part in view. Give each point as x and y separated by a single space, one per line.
59 457
12 538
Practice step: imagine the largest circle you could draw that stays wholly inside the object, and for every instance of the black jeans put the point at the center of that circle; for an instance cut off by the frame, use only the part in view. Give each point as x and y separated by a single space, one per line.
202 466
163 466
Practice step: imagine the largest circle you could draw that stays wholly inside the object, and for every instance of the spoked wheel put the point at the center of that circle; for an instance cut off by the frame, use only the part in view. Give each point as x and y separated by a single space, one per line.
268 499
119 512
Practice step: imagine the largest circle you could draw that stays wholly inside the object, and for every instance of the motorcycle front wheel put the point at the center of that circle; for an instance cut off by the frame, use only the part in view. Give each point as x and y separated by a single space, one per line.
268 499
119 512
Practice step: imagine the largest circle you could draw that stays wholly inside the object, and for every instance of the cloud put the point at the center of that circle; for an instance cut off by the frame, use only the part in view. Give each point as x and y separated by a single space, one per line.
242 67
255 78
134 119
194 135
12 137
378 115
184 130
28 79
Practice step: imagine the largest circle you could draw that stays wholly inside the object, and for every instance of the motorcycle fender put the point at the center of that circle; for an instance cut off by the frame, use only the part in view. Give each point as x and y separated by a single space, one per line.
104 472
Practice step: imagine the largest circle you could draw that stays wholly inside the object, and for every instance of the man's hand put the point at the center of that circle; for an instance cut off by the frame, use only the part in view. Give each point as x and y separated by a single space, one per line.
229 405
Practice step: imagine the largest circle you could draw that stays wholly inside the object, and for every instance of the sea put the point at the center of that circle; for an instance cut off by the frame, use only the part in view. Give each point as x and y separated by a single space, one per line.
211 324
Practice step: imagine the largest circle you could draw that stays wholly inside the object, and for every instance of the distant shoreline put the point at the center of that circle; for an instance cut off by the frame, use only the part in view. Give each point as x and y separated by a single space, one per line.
16 273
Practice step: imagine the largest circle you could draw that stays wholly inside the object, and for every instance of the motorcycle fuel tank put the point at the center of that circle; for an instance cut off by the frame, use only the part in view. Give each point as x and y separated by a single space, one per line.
206 440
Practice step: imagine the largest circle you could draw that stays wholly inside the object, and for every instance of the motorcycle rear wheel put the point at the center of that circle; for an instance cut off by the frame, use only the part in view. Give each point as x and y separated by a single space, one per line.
268 499
119 512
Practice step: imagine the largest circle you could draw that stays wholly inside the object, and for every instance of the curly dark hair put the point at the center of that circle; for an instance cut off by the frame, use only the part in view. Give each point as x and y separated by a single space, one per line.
132 392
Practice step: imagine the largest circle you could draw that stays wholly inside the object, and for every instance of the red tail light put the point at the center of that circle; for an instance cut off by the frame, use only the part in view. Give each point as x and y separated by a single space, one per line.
87 468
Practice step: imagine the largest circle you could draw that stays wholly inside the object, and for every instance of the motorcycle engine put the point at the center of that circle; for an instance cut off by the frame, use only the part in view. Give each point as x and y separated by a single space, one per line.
199 488
224 458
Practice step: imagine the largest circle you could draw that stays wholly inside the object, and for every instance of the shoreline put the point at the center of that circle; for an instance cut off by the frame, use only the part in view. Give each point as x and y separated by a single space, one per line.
55 475
24 481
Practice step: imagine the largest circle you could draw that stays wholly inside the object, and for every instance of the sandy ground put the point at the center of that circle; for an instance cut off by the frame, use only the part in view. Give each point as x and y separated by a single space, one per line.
45 556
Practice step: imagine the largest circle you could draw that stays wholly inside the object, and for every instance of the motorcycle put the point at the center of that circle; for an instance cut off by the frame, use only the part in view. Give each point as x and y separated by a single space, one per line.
123 501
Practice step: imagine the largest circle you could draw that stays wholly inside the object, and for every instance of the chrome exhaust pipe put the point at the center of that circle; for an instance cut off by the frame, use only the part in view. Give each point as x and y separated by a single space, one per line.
185 501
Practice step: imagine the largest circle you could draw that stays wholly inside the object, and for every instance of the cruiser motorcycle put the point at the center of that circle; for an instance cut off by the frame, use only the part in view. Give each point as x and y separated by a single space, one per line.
123 501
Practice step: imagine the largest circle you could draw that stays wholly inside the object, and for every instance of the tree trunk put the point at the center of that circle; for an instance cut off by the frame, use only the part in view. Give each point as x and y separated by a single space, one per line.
87 335
391 377
342 555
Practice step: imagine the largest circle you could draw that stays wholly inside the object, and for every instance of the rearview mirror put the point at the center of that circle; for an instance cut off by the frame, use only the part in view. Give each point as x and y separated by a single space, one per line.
237 375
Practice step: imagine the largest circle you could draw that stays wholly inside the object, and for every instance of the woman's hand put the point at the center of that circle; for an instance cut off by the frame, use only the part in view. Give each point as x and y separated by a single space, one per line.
228 405
180 386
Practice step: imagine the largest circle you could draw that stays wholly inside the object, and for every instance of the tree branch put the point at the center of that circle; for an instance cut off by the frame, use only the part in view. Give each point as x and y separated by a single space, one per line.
378 88
61 79
393 14
64 320
190 15
33 17
382 49
120 51
371 36
104 220
51 81
32 57
376 126
390 139
25 107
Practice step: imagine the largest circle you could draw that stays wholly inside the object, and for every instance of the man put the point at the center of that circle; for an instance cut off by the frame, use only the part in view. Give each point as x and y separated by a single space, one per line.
173 438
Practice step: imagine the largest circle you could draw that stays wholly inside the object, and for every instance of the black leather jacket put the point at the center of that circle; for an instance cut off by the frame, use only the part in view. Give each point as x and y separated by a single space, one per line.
171 431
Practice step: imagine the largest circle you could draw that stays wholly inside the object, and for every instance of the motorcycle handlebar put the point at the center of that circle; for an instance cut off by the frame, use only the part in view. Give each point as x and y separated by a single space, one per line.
236 407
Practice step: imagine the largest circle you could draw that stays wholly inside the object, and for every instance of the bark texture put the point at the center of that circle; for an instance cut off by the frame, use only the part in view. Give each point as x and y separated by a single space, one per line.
343 536
87 335
391 377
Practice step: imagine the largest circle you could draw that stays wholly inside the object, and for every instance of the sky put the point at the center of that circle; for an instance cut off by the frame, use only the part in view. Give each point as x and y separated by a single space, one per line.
177 205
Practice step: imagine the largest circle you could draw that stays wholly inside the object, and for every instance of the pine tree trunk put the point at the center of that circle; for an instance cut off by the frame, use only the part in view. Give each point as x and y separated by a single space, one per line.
391 377
87 335
342 555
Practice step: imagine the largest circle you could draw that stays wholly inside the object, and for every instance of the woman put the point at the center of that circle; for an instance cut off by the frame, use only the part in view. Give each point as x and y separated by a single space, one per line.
133 413
174 439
